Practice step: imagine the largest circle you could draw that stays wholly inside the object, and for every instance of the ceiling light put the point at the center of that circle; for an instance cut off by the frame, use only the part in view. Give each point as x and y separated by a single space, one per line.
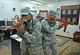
36 2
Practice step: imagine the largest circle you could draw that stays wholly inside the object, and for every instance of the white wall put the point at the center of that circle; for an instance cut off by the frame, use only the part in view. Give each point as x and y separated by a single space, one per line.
8 6
17 4
1 9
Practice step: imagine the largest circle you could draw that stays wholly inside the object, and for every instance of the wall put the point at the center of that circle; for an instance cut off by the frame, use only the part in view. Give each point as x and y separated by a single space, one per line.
17 4
1 9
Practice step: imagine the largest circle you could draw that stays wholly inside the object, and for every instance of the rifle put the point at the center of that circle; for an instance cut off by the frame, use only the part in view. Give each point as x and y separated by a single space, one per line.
17 23
65 23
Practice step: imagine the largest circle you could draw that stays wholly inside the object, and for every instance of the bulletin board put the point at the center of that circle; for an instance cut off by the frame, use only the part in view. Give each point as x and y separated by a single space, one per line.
71 13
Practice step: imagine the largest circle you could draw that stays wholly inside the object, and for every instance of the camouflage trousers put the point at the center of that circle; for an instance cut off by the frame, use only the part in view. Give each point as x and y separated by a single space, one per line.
31 49
24 49
53 48
35 49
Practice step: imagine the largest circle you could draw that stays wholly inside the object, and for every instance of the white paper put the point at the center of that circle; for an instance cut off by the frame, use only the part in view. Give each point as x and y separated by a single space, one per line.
16 37
69 12
64 12
74 11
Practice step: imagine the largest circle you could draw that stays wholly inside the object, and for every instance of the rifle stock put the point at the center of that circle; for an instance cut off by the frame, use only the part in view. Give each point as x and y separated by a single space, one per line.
65 23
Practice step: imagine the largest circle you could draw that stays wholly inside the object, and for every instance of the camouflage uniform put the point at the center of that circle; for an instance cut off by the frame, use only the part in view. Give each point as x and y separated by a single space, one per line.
48 36
32 43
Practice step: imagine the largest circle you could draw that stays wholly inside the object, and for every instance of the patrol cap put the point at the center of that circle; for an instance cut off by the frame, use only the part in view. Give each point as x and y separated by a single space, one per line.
52 12
25 11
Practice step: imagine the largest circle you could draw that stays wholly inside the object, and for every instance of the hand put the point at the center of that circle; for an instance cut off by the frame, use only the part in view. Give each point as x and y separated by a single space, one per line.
64 24
19 27
8 28
62 21
60 25
20 30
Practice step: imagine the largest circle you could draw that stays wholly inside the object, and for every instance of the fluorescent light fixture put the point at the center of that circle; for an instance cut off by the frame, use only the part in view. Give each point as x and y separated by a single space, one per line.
36 2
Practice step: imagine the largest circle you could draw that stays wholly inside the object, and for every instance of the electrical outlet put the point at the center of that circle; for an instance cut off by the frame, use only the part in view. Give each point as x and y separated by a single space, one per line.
67 31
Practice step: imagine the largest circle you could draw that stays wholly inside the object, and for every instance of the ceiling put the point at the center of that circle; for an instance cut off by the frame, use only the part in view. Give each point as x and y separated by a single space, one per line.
49 1
45 1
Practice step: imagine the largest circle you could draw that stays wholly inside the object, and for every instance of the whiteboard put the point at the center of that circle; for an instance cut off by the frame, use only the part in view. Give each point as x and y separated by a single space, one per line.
43 14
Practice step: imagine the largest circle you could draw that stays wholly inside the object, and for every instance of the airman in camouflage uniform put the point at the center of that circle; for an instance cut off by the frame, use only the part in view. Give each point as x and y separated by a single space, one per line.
31 35
48 34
